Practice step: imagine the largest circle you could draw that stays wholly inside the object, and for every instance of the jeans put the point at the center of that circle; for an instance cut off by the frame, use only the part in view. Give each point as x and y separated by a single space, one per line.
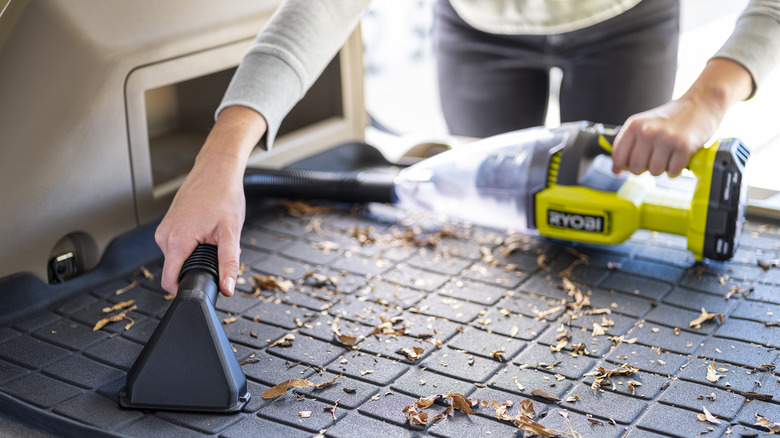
491 83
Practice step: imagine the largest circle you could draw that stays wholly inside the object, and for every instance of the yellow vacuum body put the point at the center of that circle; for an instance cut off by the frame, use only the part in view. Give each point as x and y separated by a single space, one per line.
559 182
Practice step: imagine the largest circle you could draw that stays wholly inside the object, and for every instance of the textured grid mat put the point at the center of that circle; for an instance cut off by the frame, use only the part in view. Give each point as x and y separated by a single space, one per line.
584 341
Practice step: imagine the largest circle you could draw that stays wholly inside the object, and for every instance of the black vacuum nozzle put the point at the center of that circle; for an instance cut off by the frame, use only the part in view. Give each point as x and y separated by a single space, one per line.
188 363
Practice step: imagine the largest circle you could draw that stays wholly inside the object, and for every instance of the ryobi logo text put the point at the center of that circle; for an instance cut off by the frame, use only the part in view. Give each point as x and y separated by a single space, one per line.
579 222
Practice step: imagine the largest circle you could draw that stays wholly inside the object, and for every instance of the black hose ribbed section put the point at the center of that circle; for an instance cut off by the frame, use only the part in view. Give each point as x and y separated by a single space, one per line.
203 258
313 184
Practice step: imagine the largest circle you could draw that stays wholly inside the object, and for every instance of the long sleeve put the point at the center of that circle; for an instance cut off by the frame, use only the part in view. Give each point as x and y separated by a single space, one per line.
755 42
289 54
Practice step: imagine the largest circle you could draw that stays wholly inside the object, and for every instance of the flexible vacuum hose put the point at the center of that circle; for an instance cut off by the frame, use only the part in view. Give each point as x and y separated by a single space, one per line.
361 186
204 258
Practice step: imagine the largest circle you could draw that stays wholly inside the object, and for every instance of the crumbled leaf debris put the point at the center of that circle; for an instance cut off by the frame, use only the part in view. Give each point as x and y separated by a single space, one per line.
524 419
577 305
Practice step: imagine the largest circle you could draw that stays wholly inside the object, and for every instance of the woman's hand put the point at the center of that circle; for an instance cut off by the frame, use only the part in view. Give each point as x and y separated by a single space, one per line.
665 138
209 207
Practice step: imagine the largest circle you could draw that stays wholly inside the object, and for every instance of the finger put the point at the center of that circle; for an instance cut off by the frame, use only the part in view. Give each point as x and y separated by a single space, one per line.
229 251
640 157
621 149
677 162
659 159
176 254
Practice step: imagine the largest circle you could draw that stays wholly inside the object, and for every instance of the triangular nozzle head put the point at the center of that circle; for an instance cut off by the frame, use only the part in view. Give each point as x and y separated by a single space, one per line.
188 363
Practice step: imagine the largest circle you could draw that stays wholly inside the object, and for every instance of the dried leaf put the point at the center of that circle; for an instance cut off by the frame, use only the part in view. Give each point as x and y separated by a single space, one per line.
284 341
344 339
282 388
712 375
118 306
332 410
269 282
772 426
130 286
386 327
602 374
598 330
526 408
541 315
114 318
632 384
705 316
529 425
707 416
541 393
304 414
143 270
460 402
230 320
326 246
249 360
347 340
426 402
420 418
413 353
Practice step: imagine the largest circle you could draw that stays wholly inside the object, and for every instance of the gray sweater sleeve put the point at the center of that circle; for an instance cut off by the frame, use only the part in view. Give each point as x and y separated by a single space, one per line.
289 54
755 42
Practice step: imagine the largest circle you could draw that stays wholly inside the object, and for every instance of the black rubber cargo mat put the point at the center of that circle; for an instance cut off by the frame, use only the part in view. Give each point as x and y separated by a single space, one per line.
431 329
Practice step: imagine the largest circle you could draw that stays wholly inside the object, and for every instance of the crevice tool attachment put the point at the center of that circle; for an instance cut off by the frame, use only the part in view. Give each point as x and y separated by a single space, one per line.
188 363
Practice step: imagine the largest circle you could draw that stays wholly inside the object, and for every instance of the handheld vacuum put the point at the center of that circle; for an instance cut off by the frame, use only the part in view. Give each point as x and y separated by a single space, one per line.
554 182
